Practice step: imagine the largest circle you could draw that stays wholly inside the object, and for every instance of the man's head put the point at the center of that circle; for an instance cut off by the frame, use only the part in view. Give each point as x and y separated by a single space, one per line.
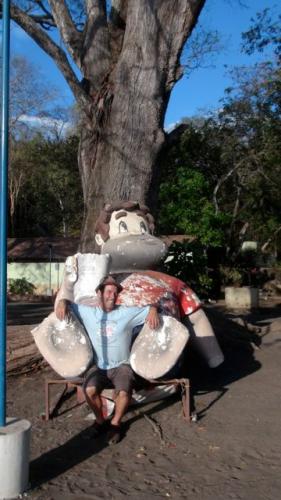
108 291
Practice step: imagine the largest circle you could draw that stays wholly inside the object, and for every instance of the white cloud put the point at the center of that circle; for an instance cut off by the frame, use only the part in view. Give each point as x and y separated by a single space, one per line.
171 127
46 123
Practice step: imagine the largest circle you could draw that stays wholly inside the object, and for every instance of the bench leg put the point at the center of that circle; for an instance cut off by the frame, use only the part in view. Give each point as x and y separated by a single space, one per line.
185 397
80 394
50 410
47 400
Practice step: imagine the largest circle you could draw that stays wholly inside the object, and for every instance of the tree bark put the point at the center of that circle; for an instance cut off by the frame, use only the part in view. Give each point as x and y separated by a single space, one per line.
130 63
118 154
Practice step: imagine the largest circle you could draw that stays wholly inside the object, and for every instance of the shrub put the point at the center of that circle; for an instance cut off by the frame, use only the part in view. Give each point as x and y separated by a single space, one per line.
232 276
188 262
20 286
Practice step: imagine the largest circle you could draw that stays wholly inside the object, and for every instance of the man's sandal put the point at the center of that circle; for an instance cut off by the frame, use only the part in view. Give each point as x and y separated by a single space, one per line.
97 429
114 434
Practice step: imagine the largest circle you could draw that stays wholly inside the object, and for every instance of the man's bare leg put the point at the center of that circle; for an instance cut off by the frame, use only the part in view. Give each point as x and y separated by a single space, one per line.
121 404
94 401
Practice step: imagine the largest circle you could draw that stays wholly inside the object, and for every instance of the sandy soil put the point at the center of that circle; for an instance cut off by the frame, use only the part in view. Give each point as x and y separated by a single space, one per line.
232 452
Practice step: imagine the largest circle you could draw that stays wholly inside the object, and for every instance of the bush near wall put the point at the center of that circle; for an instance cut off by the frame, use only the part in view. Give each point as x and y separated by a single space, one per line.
20 286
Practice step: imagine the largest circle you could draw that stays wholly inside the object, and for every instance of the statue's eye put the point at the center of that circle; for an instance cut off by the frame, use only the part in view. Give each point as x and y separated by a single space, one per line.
123 227
143 227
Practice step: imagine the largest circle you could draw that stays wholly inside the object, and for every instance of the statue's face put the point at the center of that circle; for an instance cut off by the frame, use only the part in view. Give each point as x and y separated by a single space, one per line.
129 223
130 244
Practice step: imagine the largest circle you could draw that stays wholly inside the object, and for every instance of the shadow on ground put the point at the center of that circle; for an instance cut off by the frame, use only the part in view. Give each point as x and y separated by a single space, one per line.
239 344
240 335
81 447
27 313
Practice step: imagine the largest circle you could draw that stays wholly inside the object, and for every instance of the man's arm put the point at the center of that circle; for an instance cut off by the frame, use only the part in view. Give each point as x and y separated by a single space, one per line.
62 309
152 318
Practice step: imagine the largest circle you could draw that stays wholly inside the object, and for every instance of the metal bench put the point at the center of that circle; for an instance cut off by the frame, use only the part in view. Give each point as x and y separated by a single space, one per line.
181 383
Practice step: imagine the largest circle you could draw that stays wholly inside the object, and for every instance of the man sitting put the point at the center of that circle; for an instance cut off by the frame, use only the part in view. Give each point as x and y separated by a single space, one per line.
110 329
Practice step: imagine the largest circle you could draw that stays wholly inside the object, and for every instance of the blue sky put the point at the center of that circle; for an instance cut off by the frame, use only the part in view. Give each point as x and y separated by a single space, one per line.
194 94
203 89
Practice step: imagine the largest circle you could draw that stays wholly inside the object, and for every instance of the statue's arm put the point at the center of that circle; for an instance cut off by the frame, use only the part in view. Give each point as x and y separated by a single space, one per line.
66 291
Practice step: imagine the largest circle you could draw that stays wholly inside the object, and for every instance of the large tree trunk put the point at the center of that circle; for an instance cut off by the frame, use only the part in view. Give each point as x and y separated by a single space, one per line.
117 156
121 141
130 63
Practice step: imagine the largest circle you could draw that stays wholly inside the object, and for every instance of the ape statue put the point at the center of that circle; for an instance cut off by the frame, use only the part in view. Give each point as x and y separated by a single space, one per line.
124 231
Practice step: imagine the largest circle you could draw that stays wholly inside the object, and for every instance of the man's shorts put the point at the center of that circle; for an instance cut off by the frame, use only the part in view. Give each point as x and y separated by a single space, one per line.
120 378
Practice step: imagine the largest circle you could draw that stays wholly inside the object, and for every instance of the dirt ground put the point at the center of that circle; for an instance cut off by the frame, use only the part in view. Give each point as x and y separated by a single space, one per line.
233 451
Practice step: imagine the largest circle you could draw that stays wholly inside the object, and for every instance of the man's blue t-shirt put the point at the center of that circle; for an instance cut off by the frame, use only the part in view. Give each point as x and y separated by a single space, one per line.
110 332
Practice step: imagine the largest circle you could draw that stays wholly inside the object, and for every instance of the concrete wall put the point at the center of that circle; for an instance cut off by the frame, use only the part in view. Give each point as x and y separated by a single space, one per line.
243 297
45 276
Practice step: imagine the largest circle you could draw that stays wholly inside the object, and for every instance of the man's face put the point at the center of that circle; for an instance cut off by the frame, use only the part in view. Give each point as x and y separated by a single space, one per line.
108 297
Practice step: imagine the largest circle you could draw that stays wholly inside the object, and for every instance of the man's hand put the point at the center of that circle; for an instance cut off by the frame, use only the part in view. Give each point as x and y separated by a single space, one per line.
152 318
61 309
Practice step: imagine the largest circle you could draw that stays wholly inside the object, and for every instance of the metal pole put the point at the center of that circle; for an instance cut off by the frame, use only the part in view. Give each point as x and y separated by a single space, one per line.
50 268
3 202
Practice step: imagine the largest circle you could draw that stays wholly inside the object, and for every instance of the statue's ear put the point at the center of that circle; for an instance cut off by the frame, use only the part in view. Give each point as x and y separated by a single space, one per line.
99 239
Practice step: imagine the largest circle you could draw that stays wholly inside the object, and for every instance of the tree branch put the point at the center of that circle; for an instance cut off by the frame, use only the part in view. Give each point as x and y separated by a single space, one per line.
95 59
234 213
117 26
53 50
201 48
222 180
186 22
44 9
71 36
45 21
267 243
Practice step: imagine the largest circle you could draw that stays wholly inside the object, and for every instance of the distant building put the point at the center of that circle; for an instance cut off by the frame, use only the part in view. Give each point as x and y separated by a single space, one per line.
40 261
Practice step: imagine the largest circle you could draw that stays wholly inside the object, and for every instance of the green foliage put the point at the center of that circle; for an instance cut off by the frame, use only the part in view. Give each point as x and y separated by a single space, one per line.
20 286
251 118
232 276
45 195
186 208
50 200
189 264
221 177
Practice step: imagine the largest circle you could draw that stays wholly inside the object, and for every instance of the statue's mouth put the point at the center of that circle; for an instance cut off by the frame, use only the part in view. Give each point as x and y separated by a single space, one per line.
134 252
146 239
